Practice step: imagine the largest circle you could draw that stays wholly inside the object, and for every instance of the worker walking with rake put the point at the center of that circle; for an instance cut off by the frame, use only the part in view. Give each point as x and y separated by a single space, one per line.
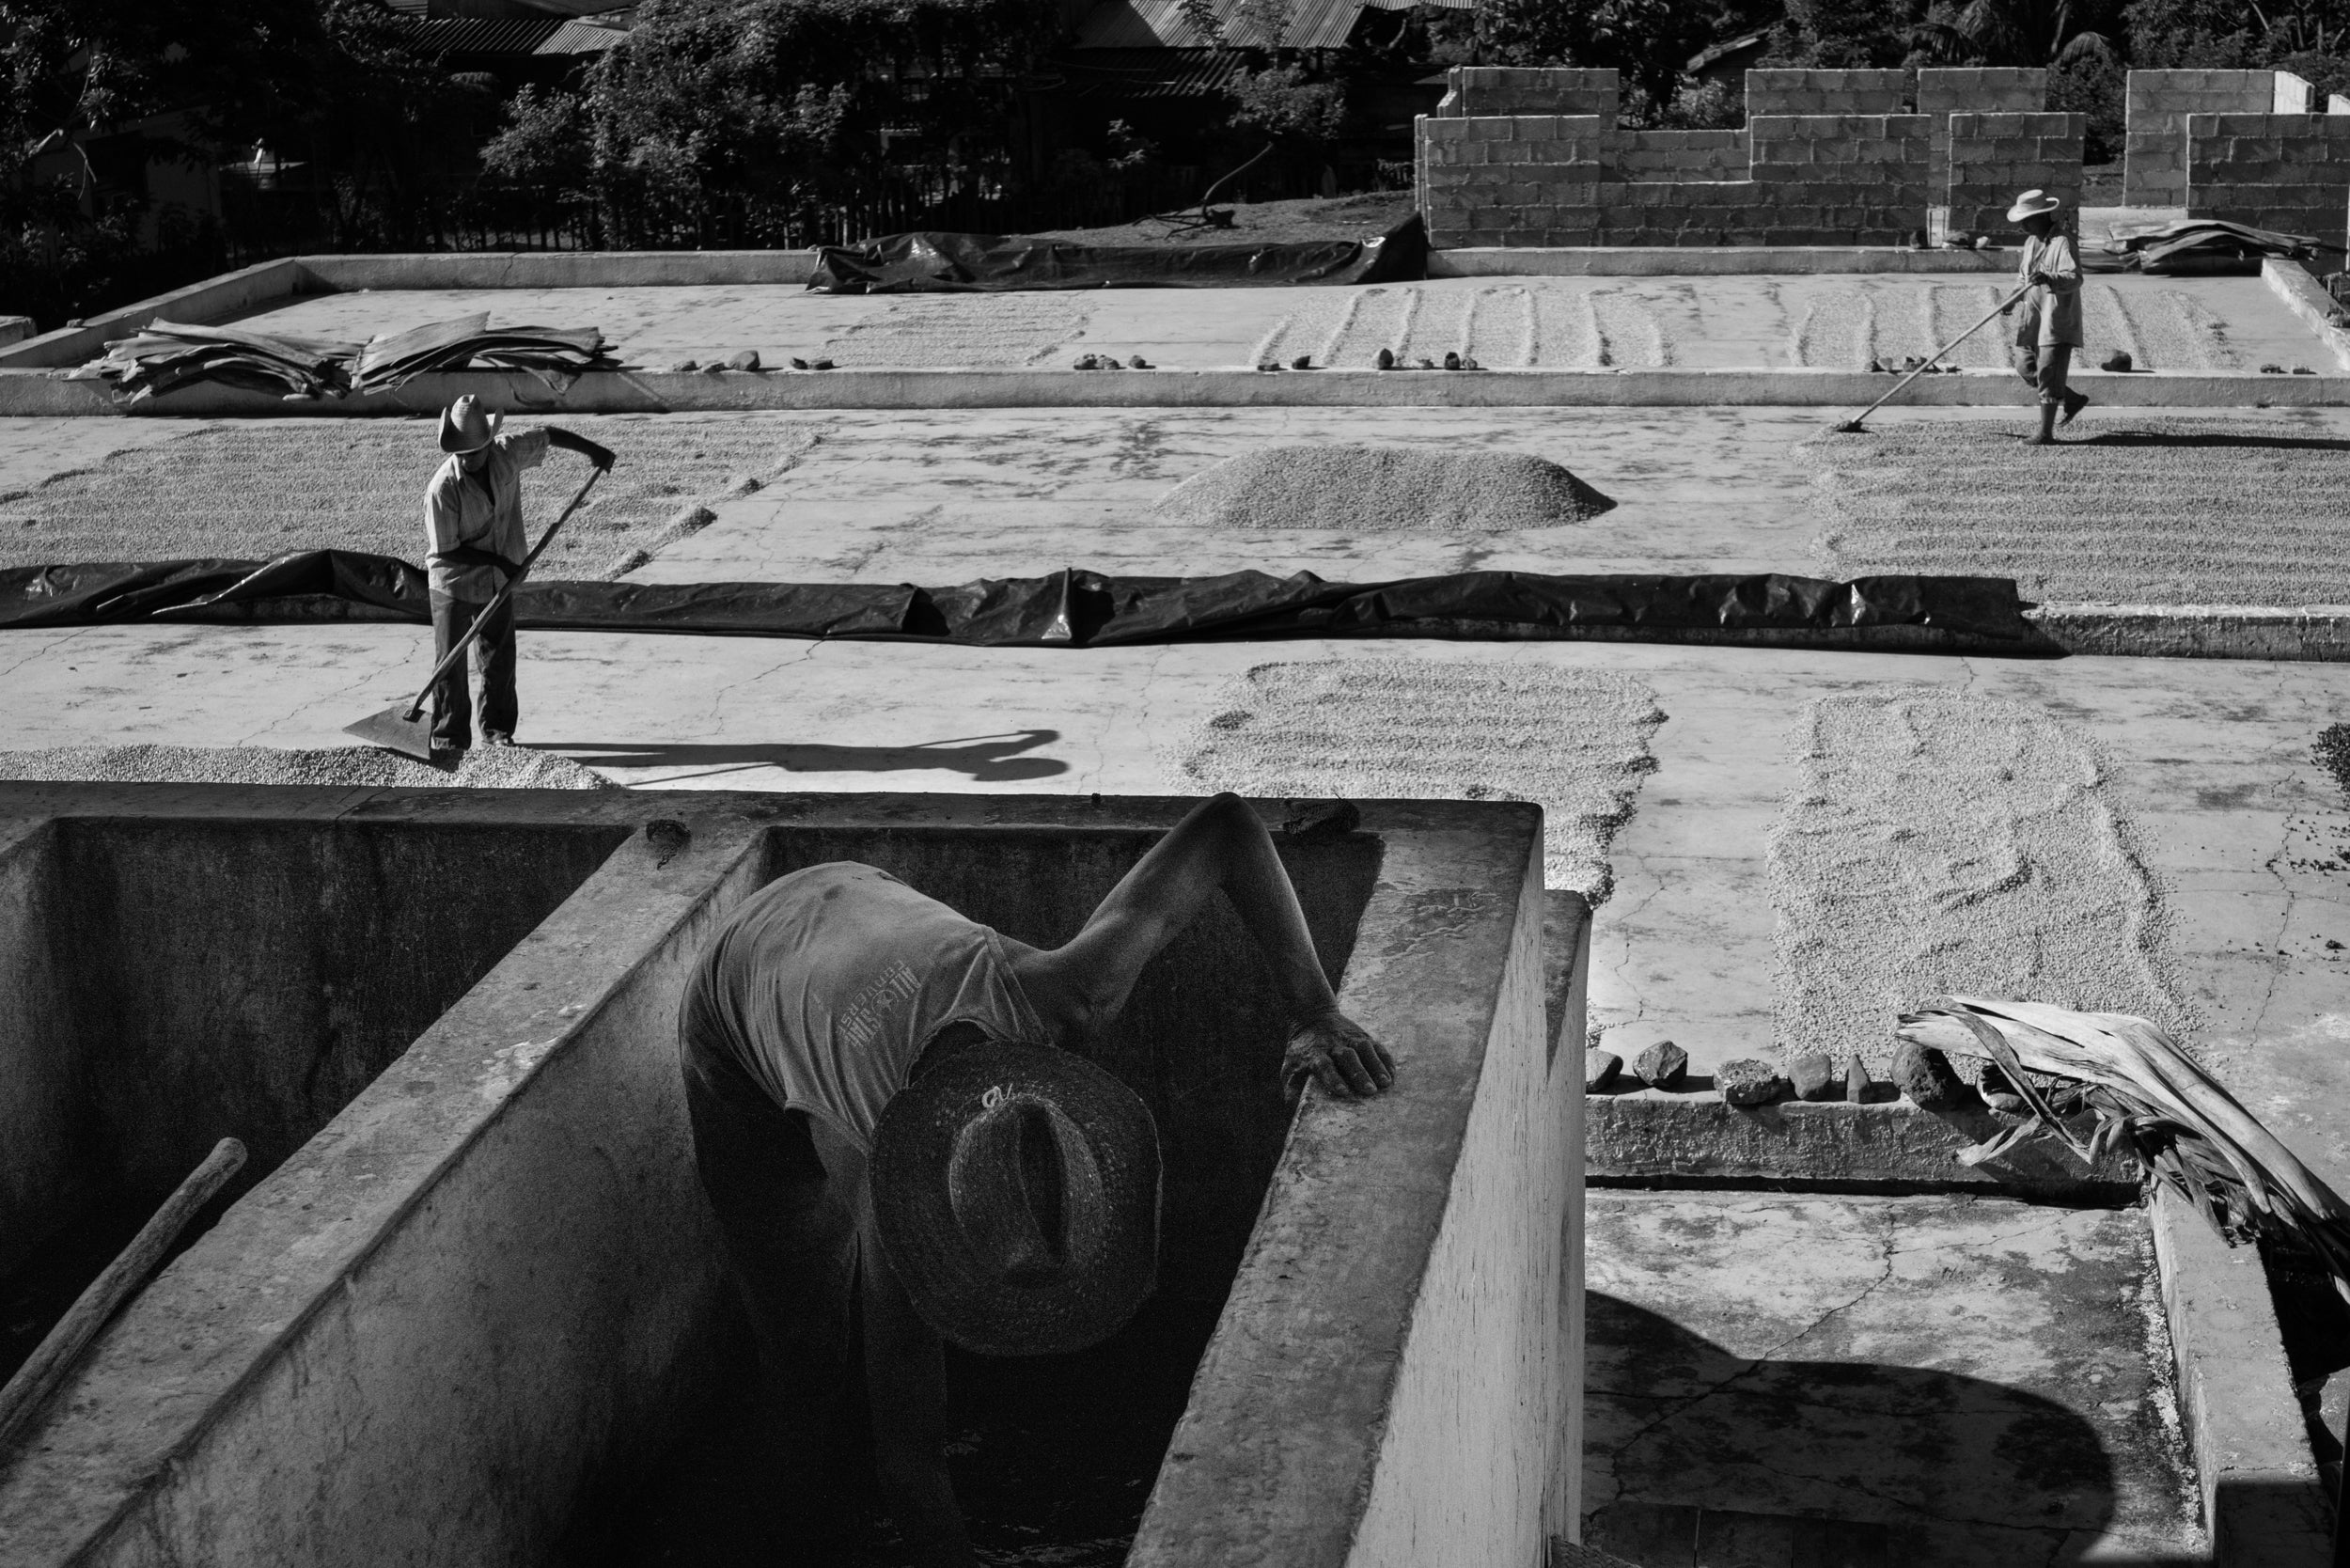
2048 275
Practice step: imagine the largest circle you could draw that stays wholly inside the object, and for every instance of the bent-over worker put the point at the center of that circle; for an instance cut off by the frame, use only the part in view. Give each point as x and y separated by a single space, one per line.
2050 269
902 1140
473 527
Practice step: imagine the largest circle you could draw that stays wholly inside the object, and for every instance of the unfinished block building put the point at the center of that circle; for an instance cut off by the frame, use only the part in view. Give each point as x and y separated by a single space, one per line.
1535 157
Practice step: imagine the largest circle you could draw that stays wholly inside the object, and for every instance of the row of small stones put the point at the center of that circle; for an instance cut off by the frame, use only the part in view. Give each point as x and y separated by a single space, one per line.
1387 361
1920 1075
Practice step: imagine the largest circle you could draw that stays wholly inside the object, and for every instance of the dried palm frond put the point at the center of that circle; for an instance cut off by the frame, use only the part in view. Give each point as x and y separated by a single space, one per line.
2149 1097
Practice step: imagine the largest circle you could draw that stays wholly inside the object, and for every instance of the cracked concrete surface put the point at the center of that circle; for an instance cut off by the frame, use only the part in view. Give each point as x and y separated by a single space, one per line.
1973 1376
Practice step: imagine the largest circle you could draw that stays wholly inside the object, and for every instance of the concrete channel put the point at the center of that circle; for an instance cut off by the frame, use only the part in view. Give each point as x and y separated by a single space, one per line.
472 1290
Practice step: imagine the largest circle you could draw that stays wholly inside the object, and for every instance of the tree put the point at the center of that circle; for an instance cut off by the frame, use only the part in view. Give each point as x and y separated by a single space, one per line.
1649 41
1846 34
2044 33
122 82
781 99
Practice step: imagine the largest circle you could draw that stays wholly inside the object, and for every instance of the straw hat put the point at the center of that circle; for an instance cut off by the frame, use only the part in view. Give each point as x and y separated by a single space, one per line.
1016 1194
467 427
2031 204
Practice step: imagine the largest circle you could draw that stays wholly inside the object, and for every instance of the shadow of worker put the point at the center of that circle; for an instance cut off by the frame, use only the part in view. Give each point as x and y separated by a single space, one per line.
1695 1455
984 759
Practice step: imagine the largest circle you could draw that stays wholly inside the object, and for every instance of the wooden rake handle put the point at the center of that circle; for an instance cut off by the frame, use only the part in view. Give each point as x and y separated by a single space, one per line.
1862 416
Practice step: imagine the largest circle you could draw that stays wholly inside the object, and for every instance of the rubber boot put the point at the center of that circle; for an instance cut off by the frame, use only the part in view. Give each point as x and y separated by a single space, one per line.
2047 427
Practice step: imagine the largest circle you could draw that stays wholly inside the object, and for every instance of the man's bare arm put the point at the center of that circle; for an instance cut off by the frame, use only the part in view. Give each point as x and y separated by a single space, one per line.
1221 845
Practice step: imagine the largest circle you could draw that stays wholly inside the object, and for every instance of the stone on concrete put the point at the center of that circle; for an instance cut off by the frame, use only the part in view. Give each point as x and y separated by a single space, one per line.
742 359
1813 1073
1924 1076
1856 1080
1663 1065
1746 1082
1600 1069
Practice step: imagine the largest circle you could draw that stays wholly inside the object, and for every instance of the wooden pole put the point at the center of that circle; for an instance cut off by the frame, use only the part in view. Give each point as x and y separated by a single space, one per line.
58 1354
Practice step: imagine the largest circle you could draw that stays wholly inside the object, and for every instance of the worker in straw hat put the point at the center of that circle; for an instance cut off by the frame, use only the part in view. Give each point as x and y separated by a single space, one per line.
905 1142
474 540
2050 269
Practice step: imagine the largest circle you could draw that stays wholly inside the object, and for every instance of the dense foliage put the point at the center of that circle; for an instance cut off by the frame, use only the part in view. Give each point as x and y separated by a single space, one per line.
96 90
796 100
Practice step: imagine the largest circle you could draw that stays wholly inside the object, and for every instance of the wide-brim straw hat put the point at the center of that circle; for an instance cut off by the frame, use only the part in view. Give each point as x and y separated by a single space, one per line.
467 427
1108 1151
2031 204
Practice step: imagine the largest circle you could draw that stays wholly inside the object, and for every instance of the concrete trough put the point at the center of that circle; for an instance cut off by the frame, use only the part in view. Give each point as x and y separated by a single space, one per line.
485 1292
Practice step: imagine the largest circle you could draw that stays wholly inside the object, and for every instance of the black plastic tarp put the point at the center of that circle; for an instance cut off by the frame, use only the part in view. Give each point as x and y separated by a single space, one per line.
1075 608
974 263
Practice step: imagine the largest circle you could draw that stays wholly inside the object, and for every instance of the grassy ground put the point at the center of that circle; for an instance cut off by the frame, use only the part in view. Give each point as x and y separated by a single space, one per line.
1347 217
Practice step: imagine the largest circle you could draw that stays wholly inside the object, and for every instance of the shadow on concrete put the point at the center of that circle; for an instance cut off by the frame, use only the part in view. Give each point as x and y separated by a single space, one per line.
984 759
1709 1457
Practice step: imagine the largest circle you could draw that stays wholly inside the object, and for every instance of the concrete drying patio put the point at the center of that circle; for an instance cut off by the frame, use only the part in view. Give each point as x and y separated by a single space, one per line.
2221 323
1770 336
1725 804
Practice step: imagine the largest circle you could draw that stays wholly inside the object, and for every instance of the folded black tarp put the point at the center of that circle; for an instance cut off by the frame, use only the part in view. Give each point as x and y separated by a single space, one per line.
975 263
1074 608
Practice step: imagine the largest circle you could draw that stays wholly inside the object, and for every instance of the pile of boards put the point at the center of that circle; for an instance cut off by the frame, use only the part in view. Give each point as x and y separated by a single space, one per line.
166 354
2207 246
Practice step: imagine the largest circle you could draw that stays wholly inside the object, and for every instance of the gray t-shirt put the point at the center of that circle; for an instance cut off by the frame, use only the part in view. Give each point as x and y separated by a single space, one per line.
825 985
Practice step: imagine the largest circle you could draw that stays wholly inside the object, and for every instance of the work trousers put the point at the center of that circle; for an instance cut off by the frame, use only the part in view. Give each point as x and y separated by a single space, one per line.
2047 368
791 1201
491 656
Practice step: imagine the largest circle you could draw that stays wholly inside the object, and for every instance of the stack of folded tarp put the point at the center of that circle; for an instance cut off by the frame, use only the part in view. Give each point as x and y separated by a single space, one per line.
555 355
166 354
2210 246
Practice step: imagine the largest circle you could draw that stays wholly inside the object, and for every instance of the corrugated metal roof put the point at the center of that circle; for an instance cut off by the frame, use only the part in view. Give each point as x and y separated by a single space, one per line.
1161 24
466 36
582 37
1149 73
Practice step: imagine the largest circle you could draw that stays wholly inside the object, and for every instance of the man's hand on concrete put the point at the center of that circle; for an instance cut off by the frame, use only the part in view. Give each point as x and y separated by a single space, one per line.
1338 1054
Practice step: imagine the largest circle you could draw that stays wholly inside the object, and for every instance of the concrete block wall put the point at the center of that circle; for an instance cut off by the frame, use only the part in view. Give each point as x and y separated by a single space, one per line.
1474 90
1825 92
2154 166
2272 171
1836 179
1993 157
1512 179
1681 155
1530 180
2293 95
1944 91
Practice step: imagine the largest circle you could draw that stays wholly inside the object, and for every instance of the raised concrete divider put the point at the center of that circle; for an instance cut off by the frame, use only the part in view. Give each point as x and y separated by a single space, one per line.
2264 1502
2313 633
2308 299
215 299
1705 261
42 394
